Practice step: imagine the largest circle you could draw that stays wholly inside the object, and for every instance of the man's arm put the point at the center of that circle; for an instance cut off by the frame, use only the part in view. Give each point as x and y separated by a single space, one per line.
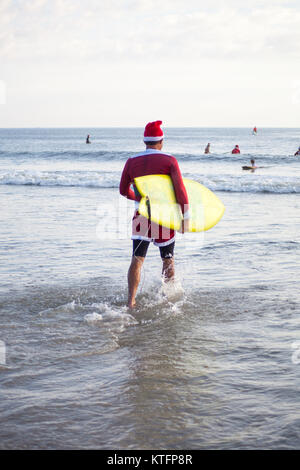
125 183
181 194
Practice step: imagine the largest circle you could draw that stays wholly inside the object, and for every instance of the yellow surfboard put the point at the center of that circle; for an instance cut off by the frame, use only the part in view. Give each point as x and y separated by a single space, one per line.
159 201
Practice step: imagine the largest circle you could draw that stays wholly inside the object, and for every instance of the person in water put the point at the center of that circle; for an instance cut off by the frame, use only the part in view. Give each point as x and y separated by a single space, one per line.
298 152
236 149
255 130
88 139
152 161
252 167
207 149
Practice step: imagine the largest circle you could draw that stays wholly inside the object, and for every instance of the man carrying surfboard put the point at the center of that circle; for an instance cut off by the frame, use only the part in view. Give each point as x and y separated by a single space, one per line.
152 161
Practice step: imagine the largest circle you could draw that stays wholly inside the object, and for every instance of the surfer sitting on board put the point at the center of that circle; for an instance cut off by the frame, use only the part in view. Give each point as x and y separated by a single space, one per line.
236 149
88 139
252 167
207 149
298 152
152 161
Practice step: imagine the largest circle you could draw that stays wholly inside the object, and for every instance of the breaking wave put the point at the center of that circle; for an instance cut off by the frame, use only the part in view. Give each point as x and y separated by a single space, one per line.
253 183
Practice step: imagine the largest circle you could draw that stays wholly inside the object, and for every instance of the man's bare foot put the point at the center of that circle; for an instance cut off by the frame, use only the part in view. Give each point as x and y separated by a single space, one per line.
131 305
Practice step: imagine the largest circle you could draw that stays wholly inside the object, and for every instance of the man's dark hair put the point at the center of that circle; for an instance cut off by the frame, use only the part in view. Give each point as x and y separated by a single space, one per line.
154 143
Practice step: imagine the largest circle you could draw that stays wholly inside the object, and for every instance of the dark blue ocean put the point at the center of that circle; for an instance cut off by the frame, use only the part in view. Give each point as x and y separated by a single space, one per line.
213 363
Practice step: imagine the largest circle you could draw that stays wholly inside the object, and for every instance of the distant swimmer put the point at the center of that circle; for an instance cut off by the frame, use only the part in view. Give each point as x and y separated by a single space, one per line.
236 149
88 139
298 152
254 130
207 149
252 167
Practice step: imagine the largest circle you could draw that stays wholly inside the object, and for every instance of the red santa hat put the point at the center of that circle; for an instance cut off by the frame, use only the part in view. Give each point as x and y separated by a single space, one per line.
153 132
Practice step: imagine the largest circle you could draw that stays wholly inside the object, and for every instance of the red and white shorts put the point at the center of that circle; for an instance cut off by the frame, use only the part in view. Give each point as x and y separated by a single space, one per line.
144 229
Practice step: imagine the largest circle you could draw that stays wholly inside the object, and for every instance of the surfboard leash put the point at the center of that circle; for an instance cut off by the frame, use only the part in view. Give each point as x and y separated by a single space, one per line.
148 207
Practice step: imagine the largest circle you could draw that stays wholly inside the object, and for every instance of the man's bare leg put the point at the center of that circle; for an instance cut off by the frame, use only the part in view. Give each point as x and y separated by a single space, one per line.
168 270
134 276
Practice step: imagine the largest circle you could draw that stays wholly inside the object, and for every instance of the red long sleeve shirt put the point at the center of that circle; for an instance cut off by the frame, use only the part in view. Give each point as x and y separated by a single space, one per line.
153 162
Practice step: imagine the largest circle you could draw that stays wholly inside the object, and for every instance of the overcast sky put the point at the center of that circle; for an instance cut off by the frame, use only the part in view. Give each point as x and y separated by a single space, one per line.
126 62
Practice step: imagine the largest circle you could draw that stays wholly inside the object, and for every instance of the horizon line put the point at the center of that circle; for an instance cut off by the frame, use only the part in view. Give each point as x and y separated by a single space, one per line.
141 127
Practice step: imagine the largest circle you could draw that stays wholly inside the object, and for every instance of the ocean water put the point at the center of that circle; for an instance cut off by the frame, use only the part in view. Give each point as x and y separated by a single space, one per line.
212 362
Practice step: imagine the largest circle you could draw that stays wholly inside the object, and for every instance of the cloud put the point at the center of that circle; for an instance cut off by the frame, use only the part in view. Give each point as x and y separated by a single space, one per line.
2 92
110 30
202 61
